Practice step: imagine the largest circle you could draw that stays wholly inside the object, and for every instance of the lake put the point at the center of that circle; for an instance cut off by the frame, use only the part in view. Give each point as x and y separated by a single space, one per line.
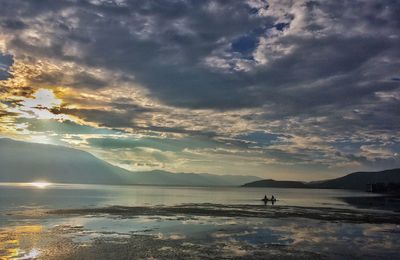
72 221
22 195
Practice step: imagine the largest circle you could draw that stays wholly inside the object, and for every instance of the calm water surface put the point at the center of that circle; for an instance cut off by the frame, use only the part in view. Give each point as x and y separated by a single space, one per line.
19 196
29 236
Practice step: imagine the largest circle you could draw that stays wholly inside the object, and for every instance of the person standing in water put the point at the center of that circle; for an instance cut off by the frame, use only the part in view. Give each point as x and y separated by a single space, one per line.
265 199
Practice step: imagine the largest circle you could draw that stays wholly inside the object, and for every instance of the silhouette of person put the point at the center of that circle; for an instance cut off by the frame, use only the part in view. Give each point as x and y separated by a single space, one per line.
265 200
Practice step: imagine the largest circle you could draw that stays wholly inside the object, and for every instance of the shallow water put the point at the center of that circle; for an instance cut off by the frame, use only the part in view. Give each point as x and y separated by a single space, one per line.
194 237
157 222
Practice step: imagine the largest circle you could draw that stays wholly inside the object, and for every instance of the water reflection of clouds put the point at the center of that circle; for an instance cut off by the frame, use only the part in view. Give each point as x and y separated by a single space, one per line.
340 238
170 236
234 237
20 242
202 220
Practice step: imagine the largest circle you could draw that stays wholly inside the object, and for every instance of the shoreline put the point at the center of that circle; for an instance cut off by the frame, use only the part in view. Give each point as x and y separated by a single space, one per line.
248 211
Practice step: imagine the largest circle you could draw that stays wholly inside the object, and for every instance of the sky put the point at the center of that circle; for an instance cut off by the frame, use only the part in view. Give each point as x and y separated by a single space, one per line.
281 89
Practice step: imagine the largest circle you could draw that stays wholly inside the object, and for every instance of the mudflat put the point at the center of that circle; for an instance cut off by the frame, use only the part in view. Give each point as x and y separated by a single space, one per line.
201 231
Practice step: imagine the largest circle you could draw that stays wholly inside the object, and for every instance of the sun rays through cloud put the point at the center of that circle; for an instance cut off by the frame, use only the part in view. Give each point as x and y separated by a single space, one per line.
278 88
41 103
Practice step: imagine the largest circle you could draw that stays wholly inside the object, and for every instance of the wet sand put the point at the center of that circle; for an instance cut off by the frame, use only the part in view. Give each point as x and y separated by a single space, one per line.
54 244
202 231
382 202
251 211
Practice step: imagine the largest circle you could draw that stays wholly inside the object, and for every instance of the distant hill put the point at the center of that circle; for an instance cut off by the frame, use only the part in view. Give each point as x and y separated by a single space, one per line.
276 184
27 162
352 181
359 180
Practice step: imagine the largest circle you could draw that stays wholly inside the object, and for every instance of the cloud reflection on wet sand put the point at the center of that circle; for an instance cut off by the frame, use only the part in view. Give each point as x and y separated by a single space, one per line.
198 237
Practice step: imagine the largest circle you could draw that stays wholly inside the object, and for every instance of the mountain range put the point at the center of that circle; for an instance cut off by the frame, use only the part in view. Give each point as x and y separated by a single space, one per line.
352 181
28 162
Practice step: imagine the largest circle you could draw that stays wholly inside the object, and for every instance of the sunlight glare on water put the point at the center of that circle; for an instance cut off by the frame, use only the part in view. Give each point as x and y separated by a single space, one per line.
40 184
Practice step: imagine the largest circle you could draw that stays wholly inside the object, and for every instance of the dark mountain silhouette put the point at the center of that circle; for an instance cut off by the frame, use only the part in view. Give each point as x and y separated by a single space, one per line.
352 181
359 180
27 162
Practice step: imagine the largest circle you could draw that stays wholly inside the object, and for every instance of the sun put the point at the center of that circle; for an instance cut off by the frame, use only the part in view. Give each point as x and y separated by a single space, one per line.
40 184
42 98
41 103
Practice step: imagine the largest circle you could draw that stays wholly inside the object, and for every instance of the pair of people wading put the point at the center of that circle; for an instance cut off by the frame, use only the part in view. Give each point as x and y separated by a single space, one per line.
272 199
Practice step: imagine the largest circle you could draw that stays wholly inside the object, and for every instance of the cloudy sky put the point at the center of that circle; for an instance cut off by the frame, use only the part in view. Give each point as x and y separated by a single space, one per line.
280 89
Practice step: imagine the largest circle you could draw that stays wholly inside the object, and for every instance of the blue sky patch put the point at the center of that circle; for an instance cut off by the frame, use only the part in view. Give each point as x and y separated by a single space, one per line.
281 26
260 138
6 61
245 44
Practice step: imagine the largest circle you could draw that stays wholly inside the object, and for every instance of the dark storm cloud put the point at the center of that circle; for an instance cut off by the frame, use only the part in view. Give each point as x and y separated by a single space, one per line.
163 44
291 84
126 118
77 80
13 24
315 68
376 163
103 117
